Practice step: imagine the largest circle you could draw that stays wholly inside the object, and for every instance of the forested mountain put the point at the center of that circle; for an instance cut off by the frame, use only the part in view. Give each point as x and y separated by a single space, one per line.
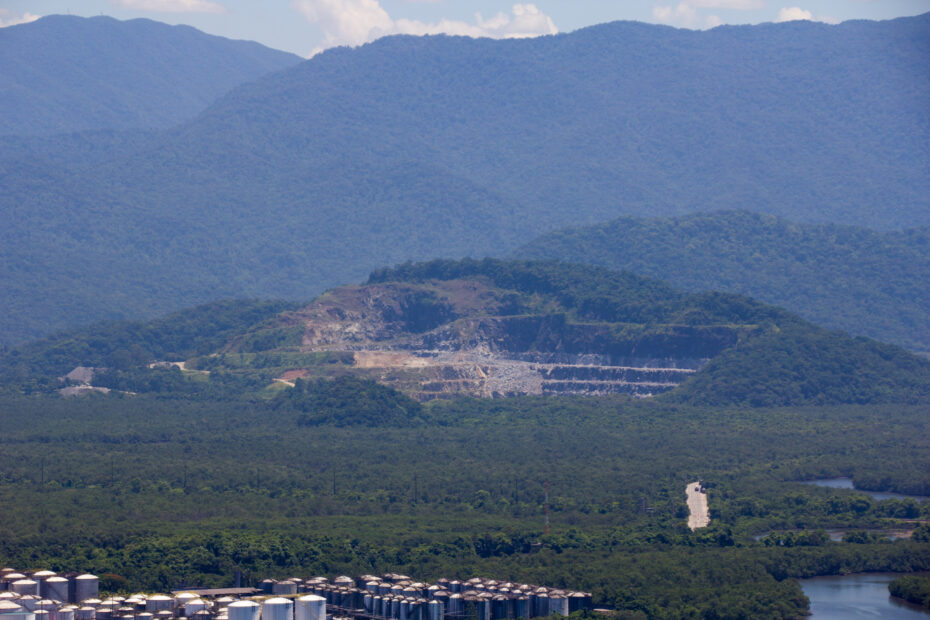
862 281
63 73
492 328
414 146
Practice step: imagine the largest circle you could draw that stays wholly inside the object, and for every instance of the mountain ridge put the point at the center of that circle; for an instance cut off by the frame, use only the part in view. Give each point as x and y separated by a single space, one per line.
64 73
316 175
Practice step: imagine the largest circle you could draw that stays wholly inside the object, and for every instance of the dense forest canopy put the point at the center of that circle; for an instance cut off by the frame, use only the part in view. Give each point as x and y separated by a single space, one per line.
862 281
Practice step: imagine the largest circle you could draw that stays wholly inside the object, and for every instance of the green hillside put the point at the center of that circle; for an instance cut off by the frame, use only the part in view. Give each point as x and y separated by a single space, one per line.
862 281
746 353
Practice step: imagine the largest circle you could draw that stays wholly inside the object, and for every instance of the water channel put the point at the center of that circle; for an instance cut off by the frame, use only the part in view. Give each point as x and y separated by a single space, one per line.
863 595
847 483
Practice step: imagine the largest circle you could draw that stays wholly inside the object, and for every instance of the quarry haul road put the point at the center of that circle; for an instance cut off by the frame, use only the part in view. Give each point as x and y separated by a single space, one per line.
697 504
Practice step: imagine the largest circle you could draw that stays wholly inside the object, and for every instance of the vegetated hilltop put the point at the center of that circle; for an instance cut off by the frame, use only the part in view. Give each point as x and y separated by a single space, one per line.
357 158
64 74
843 277
498 328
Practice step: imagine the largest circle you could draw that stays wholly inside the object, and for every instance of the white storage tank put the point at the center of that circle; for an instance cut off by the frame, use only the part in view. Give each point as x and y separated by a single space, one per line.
25 586
158 602
65 613
86 586
85 613
55 588
193 606
244 610
28 601
278 609
283 588
9 607
310 607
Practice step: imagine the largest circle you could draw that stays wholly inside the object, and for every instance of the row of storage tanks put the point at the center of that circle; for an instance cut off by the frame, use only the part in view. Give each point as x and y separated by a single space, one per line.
43 595
397 597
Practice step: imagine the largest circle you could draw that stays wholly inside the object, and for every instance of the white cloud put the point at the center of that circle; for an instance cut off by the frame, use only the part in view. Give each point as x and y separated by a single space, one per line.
8 19
171 6
796 13
688 13
737 5
353 22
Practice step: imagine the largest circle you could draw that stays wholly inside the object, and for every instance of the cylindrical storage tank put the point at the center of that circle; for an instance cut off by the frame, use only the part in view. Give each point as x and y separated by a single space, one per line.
193 606
65 613
542 604
442 596
158 602
28 601
372 586
244 610
203 614
278 609
521 607
86 586
384 588
580 600
343 580
104 613
484 608
41 614
144 615
434 610
455 586
499 607
9 607
9 578
283 588
47 605
558 604
85 613
25 586
266 585
403 613
183 598
366 603
376 608
456 605
164 614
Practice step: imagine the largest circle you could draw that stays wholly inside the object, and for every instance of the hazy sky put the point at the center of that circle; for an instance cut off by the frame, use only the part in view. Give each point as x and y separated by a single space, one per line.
305 26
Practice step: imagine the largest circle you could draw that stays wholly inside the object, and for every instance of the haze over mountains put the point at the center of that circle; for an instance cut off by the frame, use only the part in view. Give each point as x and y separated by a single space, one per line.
65 74
409 147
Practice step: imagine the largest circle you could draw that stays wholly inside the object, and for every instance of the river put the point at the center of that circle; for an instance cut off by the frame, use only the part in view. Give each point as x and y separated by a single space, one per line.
847 483
864 595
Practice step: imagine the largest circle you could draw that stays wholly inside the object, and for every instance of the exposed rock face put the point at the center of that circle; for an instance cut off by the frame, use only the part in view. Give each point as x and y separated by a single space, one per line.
457 337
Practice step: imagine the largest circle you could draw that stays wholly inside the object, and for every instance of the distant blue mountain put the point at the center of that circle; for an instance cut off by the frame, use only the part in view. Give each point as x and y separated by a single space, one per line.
64 73
416 147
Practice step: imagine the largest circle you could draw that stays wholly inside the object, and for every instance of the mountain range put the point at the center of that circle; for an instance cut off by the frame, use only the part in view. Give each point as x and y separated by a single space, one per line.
413 147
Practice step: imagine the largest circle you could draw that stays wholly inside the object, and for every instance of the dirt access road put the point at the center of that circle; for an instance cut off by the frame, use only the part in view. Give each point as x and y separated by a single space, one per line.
697 504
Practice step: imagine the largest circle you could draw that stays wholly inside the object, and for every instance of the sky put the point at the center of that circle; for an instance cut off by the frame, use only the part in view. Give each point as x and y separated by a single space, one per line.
306 27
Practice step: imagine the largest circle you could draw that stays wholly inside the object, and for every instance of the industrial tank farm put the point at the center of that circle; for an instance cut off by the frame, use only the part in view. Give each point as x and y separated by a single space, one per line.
44 595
